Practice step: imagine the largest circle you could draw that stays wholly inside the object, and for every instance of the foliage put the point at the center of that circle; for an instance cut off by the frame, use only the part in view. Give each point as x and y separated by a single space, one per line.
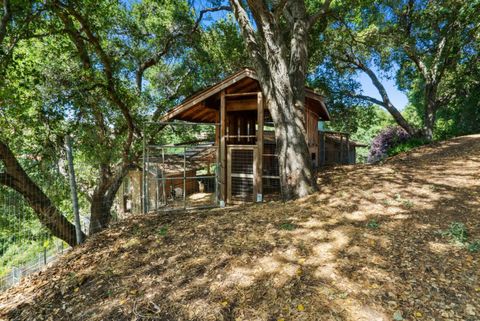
457 232
461 113
427 47
373 224
407 145
474 246
163 230
385 140
287 226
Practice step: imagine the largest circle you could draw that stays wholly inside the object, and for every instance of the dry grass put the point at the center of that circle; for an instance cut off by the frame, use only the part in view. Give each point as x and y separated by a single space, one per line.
366 247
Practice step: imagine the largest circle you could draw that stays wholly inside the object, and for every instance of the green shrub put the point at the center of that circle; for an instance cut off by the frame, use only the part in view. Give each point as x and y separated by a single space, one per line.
474 246
373 224
162 231
406 146
288 226
458 232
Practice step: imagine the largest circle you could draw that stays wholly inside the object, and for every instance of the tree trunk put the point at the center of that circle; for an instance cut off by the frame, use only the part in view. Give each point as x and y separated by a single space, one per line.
296 174
430 111
48 214
280 60
103 197
100 212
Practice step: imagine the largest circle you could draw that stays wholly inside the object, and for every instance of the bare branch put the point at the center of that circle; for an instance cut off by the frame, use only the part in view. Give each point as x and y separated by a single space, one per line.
366 98
207 10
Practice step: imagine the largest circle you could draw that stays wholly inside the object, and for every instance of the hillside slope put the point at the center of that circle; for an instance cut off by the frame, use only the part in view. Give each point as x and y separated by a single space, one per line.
368 246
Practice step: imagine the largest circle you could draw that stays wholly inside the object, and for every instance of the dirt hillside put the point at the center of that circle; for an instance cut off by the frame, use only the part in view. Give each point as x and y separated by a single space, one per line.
376 243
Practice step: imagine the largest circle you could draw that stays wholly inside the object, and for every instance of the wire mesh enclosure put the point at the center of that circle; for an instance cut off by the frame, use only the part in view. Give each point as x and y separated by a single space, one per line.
26 245
241 173
271 172
184 173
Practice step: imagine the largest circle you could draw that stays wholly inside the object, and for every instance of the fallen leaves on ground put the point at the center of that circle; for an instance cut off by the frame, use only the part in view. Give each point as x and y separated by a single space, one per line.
367 247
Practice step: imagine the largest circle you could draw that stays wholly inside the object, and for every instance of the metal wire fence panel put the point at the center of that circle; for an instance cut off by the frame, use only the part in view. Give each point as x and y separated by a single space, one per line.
241 173
180 166
180 177
26 245
242 161
271 172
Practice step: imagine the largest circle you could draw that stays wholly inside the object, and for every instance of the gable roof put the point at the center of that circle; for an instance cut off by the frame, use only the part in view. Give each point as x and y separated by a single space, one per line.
198 98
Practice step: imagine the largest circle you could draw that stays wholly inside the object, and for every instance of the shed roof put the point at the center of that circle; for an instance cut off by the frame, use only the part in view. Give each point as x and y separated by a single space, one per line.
203 106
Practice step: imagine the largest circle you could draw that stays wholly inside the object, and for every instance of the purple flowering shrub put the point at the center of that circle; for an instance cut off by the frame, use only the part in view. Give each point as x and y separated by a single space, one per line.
387 138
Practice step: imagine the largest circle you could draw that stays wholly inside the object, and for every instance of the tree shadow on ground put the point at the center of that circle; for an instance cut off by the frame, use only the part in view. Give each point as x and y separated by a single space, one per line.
367 247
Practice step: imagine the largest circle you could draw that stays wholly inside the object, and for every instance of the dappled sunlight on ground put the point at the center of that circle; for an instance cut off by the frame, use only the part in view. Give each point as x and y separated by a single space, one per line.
367 247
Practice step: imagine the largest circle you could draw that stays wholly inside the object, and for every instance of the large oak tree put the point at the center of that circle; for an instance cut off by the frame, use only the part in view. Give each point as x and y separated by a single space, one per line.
276 35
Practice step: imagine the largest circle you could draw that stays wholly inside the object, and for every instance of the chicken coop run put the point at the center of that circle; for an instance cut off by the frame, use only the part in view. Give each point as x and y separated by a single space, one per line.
180 177
227 153
247 168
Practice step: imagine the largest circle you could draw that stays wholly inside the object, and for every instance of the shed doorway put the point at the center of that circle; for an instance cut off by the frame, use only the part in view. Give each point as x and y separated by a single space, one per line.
241 173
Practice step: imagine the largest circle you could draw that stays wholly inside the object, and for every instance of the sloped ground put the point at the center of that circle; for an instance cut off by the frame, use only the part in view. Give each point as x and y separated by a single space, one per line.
367 247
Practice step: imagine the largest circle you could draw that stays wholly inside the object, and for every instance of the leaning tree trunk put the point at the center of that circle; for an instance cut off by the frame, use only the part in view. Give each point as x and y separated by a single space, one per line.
48 214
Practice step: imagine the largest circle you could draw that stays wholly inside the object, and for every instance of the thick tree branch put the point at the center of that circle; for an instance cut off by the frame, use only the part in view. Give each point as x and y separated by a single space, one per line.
386 102
413 55
108 72
366 98
152 61
279 9
16 178
247 31
76 38
207 10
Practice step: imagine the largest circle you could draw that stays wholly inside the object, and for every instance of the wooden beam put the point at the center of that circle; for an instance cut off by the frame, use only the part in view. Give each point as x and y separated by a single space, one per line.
229 174
223 147
252 93
259 164
348 149
201 96
241 105
208 117
196 113
341 149
322 148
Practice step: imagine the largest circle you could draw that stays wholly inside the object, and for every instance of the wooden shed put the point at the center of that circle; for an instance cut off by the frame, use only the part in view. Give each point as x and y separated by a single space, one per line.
247 158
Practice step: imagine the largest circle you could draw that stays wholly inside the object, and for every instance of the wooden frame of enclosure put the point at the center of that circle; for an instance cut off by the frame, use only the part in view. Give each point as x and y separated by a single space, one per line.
238 105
